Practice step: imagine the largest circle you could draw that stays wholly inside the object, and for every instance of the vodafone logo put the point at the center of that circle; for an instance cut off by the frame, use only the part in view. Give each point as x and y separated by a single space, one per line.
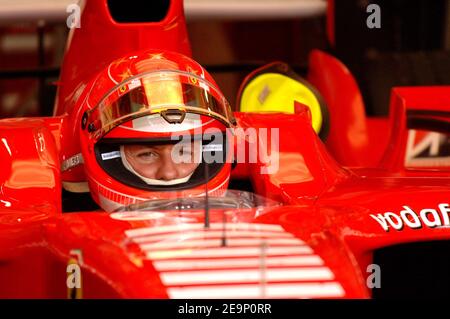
428 217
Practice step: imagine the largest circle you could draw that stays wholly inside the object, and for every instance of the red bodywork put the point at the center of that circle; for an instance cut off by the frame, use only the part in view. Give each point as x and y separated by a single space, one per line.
318 244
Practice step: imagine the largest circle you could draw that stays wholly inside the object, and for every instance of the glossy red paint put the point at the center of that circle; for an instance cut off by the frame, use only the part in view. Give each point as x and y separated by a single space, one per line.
101 40
325 228
353 139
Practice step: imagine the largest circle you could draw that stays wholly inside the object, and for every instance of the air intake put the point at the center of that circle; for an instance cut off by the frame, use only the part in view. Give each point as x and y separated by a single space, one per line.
138 11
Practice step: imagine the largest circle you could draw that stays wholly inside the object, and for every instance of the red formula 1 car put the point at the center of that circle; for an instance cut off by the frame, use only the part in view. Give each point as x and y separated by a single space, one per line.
303 226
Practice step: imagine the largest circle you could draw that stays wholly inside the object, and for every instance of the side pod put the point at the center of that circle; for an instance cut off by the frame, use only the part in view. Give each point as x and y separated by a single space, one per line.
29 157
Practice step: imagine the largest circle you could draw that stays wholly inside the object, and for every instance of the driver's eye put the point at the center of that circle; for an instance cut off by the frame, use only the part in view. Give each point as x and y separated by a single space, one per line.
147 156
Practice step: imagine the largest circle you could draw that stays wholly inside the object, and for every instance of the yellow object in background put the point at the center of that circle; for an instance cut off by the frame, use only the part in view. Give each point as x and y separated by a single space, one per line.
276 92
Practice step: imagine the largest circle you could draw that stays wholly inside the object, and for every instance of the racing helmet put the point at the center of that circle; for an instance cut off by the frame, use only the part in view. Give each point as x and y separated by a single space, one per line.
160 133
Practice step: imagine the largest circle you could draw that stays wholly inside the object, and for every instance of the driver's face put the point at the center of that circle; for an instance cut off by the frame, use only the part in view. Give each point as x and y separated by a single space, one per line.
163 162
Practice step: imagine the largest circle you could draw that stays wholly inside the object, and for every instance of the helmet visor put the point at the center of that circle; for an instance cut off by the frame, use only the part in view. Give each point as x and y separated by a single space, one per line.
157 92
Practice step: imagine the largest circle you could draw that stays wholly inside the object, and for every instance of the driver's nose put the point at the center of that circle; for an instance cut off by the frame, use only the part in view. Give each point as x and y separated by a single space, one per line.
167 170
